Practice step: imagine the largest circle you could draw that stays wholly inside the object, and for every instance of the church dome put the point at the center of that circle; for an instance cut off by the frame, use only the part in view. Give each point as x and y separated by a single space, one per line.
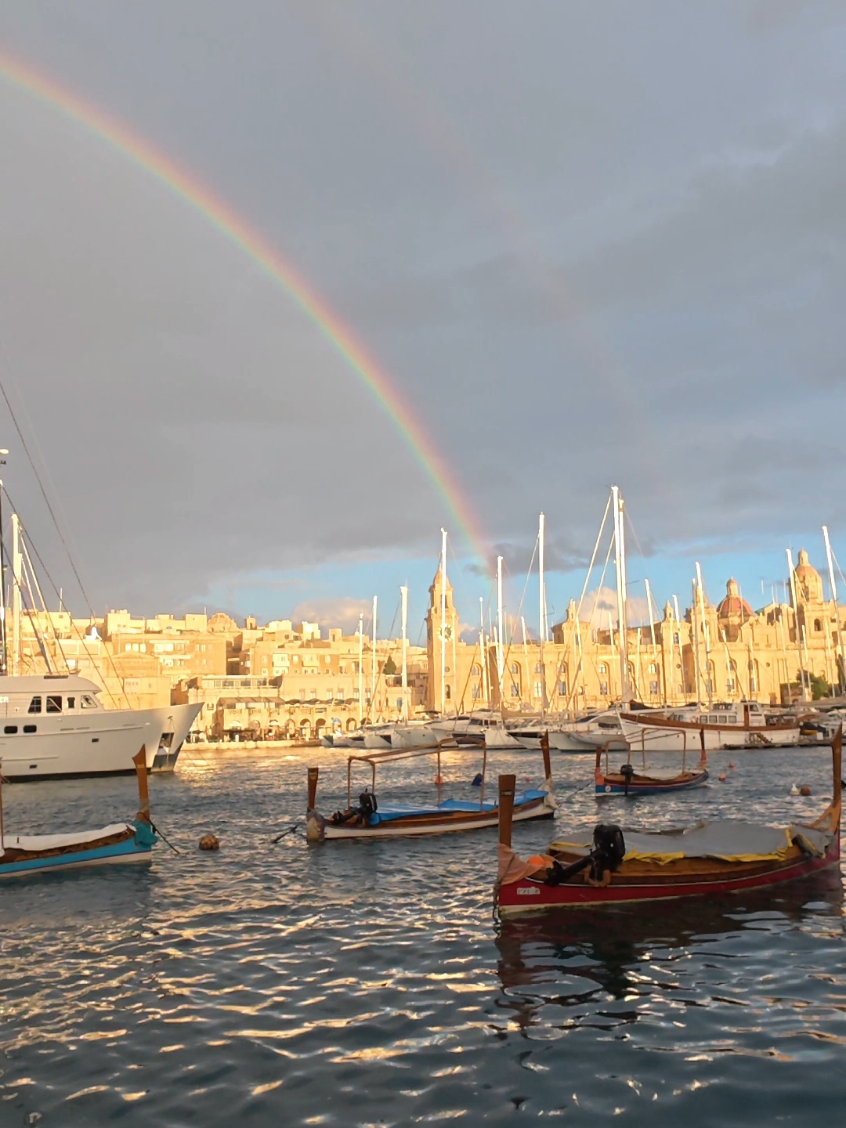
734 606
808 579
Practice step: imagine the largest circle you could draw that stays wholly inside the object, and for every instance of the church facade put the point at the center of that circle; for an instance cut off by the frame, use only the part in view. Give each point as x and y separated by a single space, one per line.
722 652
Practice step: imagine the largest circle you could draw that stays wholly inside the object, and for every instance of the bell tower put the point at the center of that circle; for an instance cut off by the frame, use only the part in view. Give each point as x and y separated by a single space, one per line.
441 625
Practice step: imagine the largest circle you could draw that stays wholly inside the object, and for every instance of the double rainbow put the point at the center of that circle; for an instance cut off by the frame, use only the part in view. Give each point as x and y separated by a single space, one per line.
268 259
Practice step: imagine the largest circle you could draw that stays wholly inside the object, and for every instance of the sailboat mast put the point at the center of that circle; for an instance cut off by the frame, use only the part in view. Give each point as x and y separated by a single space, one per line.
841 665
483 652
500 657
17 580
620 562
404 594
372 709
697 627
542 609
4 654
443 619
677 631
709 681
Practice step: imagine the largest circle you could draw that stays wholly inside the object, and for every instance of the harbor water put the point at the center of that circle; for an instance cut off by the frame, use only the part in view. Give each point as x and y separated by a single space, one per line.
368 983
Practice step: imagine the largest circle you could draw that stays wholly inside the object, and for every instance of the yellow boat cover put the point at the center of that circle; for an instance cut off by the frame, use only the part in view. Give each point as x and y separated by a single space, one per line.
727 840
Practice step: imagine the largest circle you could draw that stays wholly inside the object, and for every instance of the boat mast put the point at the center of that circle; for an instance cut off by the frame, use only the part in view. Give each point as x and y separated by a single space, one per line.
4 658
841 665
360 669
795 603
542 610
500 657
620 561
483 652
372 710
709 681
17 580
443 619
697 665
404 594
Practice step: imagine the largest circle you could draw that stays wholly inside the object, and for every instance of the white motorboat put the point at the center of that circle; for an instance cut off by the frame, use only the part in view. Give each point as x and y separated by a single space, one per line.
178 722
744 725
482 723
55 727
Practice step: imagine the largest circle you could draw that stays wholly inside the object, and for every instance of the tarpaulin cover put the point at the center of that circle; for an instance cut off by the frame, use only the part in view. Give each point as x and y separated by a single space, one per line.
726 840
391 811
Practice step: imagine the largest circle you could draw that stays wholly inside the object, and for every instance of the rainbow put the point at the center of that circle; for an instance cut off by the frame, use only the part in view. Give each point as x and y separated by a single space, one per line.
221 216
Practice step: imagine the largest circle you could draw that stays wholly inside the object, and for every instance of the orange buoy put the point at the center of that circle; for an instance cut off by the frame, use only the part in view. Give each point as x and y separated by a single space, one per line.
209 842
731 767
722 777
804 789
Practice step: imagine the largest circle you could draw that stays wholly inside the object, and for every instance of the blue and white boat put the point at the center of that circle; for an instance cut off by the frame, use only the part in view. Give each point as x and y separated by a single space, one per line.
22 855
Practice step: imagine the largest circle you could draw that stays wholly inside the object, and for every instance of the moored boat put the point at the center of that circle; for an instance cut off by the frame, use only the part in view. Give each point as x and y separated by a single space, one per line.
724 726
23 855
178 722
629 781
709 859
372 819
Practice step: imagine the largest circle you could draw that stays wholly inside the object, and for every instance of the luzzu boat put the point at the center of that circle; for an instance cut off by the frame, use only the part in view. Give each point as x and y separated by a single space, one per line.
710 859
373 819
629 781
22 855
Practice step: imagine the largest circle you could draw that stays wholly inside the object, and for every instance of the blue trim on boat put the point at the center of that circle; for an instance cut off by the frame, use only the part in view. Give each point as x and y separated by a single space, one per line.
400 811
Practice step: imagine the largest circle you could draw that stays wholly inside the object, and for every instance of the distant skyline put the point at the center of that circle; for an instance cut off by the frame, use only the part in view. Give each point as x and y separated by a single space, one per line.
584 243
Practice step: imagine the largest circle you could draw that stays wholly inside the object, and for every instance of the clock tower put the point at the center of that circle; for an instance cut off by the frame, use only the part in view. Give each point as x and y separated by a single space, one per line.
441 627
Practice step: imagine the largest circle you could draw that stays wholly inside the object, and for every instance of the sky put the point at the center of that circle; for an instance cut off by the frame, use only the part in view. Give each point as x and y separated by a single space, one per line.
587 243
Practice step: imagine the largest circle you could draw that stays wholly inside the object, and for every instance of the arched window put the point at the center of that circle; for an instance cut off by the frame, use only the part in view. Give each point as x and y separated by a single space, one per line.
515 669
538 668
602 668
653 669
475 670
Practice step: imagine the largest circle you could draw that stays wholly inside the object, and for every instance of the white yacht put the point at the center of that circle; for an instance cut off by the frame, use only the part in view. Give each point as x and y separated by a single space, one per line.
742 725
55 727
483 722
178 722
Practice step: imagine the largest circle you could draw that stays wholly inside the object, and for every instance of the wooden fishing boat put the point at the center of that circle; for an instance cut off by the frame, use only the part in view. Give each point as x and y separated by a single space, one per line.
629 781
709 859
723 726
22 855
372 819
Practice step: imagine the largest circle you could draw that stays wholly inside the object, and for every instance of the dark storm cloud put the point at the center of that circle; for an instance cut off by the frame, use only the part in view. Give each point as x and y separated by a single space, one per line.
590 243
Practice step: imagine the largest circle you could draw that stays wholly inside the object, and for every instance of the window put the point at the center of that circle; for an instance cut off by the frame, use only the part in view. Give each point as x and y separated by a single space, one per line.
10 730
87 701
71 703
817 625
676 638
723 720
538 668
653 688
515 692
538 689
653 669
603 689
448 692
476 693
54 704
35 705
714 720
30 728
475 670
515 669
602 668
562 689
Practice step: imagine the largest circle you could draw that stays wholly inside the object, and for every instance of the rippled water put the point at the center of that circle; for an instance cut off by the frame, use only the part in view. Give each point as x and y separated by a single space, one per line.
367 983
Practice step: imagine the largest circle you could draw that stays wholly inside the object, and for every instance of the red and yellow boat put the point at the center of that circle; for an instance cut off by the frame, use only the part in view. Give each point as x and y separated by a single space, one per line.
710 859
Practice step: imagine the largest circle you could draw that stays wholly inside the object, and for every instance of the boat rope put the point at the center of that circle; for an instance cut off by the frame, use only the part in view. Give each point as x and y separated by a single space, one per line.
163 838
291 830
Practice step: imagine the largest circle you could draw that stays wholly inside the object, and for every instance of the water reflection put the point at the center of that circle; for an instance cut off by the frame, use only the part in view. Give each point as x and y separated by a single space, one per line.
582 956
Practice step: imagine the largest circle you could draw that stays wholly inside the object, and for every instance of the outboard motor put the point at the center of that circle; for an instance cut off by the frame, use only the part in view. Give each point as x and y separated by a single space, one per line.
609 849
367 805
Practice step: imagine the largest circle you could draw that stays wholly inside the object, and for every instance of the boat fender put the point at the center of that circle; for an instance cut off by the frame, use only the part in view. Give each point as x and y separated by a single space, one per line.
804 790
209 842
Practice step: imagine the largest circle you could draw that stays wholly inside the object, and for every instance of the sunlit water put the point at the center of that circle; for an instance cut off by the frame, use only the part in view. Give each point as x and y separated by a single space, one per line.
367 983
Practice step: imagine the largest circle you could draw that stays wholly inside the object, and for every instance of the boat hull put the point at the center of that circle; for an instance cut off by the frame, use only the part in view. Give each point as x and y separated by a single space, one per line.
688 736
134 846
526 896
610 786
425 825
179 721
